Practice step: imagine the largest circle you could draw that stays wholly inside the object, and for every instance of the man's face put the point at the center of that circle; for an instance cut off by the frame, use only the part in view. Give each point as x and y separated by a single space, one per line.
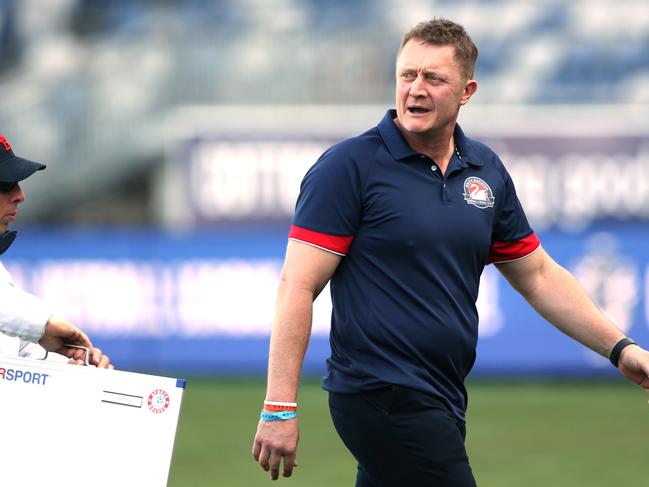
10 196
430 88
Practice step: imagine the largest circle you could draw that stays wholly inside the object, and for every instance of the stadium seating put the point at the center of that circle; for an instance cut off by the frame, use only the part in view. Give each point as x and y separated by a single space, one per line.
87 77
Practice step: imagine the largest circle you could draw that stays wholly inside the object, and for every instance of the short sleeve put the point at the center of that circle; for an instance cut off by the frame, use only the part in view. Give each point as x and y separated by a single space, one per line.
512 236
329 206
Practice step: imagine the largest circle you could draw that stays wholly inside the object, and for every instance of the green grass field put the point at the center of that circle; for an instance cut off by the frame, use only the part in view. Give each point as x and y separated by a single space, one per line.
531 434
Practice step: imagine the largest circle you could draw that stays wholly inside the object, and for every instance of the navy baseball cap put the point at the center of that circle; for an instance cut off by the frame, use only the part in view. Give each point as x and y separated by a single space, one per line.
12 168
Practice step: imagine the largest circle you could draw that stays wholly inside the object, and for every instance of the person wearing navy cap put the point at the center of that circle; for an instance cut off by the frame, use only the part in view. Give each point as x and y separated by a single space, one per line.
24 319
402 220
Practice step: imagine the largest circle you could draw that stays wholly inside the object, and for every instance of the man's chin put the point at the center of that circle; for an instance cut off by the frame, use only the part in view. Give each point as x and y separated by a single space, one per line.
418 128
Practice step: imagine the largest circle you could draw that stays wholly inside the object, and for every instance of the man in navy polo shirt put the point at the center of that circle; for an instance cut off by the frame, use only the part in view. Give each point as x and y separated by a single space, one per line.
402 220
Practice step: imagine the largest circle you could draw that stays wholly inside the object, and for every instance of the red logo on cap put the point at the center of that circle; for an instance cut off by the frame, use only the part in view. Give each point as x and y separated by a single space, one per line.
5 143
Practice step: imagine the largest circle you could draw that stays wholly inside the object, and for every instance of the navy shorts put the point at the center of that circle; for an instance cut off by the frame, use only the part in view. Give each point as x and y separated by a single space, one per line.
402 437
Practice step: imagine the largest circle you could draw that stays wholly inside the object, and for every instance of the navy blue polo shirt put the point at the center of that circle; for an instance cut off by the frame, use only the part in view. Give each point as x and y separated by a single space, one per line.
414 243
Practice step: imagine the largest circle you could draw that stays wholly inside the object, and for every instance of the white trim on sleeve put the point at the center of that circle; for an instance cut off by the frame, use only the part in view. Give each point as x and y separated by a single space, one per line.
317 246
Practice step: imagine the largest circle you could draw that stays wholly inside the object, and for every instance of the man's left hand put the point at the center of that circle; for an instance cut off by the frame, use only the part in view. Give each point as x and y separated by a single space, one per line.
634 364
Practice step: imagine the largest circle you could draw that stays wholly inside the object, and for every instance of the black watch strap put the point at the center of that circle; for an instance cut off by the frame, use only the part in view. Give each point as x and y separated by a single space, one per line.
617 349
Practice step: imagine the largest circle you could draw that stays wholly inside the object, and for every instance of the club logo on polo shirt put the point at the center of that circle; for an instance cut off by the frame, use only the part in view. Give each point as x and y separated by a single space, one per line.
478 193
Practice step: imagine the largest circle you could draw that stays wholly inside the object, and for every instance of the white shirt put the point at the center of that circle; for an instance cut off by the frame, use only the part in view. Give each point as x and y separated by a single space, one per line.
22 319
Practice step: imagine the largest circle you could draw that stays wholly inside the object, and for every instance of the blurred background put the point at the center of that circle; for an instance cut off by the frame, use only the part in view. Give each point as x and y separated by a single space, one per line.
176 134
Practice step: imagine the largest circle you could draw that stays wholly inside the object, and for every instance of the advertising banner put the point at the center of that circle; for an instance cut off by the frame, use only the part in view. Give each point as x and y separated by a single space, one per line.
204 302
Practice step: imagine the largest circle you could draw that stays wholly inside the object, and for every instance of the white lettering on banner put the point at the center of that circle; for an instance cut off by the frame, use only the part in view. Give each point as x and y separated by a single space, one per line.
102 295
234 297
578 188
188 298
237 297
219 177
260 179
238 180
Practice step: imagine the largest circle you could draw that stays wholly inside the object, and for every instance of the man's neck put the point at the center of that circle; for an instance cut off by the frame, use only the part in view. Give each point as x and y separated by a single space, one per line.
439 147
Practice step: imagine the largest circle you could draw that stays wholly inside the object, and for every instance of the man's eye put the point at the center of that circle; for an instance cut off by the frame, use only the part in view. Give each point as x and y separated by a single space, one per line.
407 76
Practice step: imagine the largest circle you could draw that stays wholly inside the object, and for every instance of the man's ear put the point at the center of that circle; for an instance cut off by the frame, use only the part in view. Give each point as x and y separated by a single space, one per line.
470 88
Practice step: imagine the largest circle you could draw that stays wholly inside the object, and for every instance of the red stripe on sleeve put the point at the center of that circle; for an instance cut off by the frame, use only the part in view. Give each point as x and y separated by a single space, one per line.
508 251
338 245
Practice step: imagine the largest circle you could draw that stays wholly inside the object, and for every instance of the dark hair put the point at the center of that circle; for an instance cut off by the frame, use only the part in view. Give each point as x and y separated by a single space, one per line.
444 32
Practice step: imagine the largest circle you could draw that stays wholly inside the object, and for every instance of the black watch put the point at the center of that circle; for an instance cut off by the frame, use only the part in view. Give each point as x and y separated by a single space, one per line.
617 349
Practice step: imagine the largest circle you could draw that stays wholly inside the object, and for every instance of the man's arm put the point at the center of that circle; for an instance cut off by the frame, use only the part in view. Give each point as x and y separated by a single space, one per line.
557 296
27 317
306 271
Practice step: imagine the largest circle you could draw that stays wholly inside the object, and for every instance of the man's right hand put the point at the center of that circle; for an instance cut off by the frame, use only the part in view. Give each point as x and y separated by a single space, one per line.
274 441
59 333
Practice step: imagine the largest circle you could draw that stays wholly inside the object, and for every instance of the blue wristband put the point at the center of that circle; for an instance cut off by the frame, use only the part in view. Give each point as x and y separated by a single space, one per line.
278 415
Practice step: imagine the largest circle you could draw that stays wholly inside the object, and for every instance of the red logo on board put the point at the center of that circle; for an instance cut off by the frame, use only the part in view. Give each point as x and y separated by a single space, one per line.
158 401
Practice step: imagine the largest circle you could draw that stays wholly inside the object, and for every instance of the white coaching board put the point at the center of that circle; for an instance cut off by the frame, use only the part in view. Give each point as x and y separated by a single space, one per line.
63 425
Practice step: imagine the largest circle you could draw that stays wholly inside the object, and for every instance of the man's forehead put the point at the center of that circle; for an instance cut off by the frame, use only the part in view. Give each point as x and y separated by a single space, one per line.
424 67
427 65
428 56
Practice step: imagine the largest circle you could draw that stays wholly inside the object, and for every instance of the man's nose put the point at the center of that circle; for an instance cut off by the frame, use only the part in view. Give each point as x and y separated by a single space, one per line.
17 194
417 87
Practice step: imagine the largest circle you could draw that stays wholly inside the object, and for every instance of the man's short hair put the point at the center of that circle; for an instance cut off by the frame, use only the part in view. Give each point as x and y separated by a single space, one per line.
444 32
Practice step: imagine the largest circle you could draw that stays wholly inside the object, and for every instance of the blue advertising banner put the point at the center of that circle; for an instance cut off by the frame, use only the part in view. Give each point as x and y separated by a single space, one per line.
202 302
563 181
